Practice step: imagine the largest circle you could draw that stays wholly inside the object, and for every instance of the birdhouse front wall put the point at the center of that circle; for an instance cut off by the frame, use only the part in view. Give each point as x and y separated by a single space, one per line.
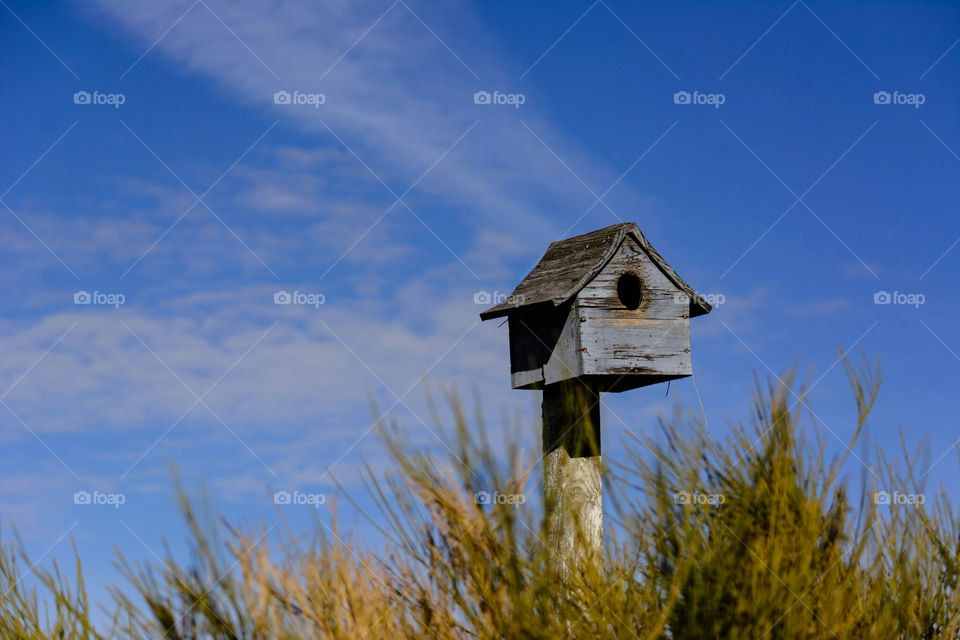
629 327
633 321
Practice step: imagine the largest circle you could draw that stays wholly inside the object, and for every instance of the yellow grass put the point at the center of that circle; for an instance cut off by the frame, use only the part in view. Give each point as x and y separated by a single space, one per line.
753 537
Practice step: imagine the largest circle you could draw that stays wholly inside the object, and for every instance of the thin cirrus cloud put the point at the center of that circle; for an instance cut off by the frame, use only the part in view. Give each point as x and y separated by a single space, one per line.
400 101
394 94
282 366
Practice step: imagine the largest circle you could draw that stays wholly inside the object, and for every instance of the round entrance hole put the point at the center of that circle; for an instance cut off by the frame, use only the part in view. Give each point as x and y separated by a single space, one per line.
629 290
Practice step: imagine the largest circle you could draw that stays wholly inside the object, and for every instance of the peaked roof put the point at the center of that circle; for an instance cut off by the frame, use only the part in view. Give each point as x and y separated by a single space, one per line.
569 265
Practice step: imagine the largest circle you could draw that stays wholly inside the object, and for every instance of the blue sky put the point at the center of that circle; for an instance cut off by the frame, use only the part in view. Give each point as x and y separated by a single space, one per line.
817 183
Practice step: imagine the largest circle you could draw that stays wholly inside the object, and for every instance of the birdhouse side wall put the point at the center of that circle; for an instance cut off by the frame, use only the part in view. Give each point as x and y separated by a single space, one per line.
653 339
544 347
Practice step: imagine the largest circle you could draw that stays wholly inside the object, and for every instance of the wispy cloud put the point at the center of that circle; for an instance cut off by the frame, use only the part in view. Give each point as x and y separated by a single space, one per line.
397 99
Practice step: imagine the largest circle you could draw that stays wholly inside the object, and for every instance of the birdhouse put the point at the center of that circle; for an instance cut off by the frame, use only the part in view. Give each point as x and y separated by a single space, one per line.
603 307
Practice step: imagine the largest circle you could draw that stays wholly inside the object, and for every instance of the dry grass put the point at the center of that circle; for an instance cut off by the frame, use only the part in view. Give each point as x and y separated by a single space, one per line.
789 554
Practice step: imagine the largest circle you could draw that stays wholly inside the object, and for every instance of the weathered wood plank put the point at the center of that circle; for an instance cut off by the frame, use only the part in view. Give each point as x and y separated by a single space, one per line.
544 347
660 297
635 347
568 265
563 265
653 339
572 468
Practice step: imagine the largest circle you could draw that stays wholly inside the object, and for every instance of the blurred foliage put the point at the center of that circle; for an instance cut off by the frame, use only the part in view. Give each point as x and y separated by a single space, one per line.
752 537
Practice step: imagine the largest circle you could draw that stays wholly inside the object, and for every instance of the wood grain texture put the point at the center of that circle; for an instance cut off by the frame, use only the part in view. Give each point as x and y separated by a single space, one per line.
636 347
555 278
651 340
661 298
544 347
569 265
572 468
599 336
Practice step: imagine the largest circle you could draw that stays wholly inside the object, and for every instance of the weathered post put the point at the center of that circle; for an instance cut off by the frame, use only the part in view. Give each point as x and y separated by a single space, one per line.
601 312
572 482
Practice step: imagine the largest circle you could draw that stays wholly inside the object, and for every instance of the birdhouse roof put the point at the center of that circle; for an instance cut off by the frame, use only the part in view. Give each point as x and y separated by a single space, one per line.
569 265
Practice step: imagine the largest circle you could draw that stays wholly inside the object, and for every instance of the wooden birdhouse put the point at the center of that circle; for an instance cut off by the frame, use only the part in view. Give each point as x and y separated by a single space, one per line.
603 308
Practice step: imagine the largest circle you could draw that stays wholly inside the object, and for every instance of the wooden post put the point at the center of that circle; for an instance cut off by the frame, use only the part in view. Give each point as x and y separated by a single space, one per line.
572 473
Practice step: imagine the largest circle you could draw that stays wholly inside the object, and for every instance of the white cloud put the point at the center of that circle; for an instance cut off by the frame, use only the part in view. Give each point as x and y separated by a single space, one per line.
299 372
398 98
401 302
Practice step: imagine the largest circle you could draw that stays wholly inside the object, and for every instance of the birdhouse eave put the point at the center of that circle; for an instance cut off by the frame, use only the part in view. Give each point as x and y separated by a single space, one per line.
570 265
